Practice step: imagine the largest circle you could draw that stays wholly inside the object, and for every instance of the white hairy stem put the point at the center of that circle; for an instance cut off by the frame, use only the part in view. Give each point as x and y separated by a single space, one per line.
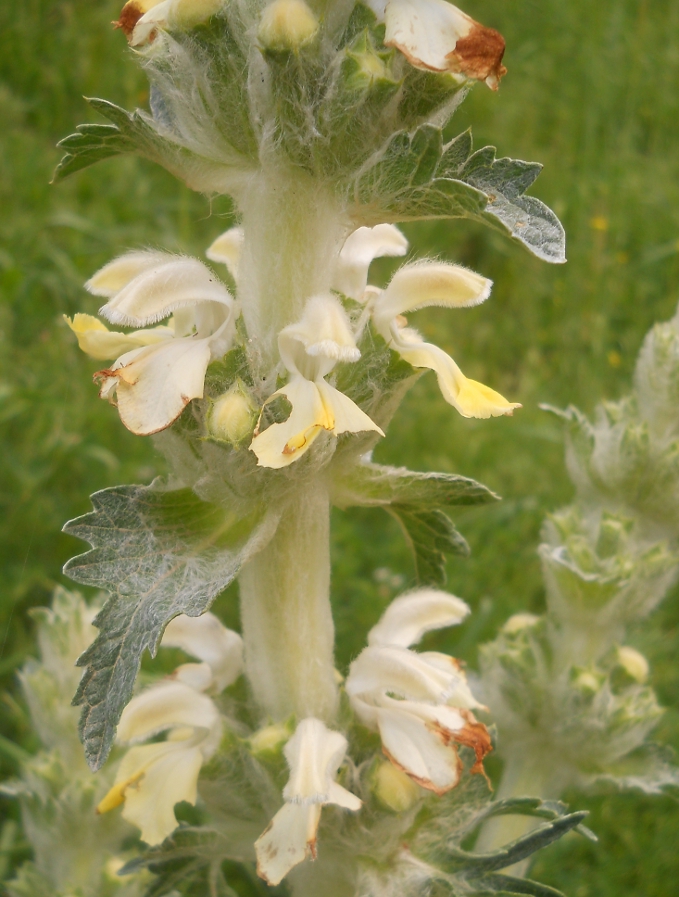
286 616
294 230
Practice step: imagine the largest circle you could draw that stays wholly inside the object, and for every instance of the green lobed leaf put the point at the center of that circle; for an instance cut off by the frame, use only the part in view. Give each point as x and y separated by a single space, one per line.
376 485
431 536
400 184
506 885
135 132
518 850
525 218
414 499
160 553
414 177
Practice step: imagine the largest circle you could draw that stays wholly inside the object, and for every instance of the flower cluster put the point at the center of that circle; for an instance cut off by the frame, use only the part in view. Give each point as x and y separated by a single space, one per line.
162 368
152 778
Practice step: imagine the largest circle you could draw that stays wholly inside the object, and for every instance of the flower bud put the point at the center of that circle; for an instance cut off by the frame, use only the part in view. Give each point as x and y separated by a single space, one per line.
269 740
633 663
587 682
394 788
518 622
231 417
287 25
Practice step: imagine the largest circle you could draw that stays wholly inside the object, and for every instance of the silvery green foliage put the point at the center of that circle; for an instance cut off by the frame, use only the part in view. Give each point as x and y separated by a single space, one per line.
160 553
221 108
608 560
74 851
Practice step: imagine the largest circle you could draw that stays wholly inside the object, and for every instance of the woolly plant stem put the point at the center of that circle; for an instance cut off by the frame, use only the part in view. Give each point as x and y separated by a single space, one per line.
286 616
294 229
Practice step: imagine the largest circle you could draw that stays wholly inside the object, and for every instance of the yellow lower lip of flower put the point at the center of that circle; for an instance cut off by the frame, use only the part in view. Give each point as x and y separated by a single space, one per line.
116 796
303 439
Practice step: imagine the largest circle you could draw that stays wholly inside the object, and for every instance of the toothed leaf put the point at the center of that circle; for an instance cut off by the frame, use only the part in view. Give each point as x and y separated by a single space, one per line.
431 536
159 553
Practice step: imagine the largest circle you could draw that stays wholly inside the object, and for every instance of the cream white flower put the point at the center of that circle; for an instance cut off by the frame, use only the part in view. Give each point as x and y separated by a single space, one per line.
361 247
227 248
161 369
152 778
140 19
419 703
310 349
436 36
423 284
206 638
314 755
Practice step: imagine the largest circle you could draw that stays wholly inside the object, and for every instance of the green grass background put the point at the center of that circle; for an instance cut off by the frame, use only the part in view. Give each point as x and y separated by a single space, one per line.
591 93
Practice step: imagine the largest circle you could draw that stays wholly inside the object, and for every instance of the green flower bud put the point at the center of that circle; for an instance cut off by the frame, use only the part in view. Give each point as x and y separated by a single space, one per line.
394 788
633 663
269 740
518 622
287 25
232 416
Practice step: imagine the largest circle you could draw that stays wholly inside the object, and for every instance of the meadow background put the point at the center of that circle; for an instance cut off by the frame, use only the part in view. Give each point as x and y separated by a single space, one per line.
591 93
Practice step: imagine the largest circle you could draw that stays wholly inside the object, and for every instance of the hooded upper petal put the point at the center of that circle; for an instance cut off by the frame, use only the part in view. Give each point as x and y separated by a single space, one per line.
408 617
314 755
169 704
206 638
227 248
115 275
386 668
424 284
436 36
322 337
363 246
170 283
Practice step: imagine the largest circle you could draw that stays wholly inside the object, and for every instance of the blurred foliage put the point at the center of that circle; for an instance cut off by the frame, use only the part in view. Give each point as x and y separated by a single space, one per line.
591 93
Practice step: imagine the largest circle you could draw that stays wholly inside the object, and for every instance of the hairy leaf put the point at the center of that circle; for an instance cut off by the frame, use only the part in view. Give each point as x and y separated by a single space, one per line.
414 499
527 219
136 132
516 851
506 885
431 535
376 485
416 178
160 553
399 184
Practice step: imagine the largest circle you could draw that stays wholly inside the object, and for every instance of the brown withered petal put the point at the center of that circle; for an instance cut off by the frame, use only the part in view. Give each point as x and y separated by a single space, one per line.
129 16
476 736
479 55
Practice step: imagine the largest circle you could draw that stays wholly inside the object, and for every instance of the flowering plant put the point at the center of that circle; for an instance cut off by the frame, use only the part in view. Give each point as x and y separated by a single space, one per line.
267 386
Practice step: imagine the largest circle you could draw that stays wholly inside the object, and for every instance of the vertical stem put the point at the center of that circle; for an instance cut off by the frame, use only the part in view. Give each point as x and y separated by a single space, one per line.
286 616
294 230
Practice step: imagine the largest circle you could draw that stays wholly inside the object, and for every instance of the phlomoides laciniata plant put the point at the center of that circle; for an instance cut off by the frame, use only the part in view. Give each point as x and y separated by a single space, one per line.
266 381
